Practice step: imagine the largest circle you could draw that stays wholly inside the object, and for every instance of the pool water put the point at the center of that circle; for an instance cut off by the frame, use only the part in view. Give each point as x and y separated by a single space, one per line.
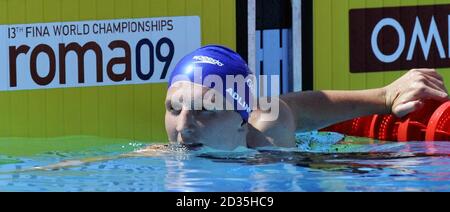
322 162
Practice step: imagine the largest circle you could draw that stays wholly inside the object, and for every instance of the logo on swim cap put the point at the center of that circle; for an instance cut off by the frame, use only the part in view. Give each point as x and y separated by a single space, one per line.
241 101
208 60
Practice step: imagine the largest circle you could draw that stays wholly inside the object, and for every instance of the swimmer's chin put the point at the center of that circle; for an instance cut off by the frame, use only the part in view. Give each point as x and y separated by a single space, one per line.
187 146
193 146
238 149
197 146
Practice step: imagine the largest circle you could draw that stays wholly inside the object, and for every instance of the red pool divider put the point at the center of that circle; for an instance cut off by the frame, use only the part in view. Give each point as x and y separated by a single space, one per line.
431 123
384 127
415 125
438 128
359 127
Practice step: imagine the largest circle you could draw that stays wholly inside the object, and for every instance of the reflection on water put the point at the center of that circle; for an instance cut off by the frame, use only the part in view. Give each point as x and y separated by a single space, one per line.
323 162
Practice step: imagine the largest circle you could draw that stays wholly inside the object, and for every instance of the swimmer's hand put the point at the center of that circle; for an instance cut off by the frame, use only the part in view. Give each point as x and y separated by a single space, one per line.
408 93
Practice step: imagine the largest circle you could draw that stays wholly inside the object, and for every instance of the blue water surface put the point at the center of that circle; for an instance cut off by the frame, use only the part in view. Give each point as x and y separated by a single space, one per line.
322 162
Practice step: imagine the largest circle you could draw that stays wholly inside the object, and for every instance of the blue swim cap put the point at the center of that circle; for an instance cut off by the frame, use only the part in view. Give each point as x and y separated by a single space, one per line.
222 62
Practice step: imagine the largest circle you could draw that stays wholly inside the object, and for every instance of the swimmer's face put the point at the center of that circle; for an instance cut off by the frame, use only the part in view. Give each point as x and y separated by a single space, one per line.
194 122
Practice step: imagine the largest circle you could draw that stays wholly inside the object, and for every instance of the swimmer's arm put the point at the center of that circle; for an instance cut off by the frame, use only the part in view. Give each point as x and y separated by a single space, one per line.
74 163
151 151
316 110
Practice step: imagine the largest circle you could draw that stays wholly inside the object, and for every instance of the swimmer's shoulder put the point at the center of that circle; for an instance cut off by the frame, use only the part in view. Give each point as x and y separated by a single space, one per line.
278 129
264 118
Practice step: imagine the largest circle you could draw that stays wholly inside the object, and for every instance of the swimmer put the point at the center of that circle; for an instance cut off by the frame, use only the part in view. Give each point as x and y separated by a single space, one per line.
248 125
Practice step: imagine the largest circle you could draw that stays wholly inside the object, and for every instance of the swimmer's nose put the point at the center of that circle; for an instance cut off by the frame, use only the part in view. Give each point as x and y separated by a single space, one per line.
185 124
187 132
